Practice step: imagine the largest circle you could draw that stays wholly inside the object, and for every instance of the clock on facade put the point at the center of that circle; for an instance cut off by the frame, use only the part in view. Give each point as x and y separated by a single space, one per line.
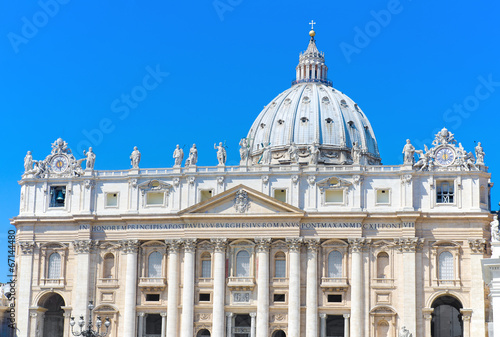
59 163
445 156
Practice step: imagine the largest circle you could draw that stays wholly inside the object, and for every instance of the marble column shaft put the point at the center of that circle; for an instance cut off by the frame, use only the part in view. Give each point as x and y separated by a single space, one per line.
219 286
312 288
188 289
229 323
163 324
252 325
357 296
294 287
263 286
173 288
24 287
347 329
130 248
323 325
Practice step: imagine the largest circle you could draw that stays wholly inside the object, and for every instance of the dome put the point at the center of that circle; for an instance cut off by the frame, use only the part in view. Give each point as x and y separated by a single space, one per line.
312 123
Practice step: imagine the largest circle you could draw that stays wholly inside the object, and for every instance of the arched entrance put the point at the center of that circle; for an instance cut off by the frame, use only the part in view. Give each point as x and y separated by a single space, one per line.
279 333
53 321
203 333
446 318
242 325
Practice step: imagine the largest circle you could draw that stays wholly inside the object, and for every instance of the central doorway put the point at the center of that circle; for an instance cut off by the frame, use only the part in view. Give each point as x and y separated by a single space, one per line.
53 321
446 318
242 326
335 326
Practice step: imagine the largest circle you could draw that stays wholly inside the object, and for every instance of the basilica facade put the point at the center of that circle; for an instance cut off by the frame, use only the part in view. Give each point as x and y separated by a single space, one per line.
310 236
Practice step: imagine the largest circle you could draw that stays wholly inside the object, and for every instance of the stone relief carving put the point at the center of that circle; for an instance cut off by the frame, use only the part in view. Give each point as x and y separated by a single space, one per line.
178 155
133 183
154 185
406 179
191 180
27 247
241 201
176 181
90 157
221 153
478 246
311 180
265 180
444 137
89 183
357 179
220 180
135 158
335 182
409 151
295 178
193 156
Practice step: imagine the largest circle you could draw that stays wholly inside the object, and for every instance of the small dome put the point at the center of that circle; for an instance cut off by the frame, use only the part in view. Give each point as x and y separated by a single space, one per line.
312 122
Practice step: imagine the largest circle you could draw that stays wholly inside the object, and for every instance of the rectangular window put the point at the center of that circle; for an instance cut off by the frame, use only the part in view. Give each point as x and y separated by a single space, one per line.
383 196
205 195
334 298
279 298
204 297
57 196
153 297
280 195
280 268
111 199
445 192
334 196
206 268
155 198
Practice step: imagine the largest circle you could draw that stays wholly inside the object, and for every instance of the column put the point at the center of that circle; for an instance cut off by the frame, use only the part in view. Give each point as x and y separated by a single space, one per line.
346 325
408 246
252 325
67 317
229 324
477 326
427 313
323 325
130 248
173 287
466 316
219 286
163 324
263 286
82 249
25 271
187 318
140 328
312 287
294 286
357 300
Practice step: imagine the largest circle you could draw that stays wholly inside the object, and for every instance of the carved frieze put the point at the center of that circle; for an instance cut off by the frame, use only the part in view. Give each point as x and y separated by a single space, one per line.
241 201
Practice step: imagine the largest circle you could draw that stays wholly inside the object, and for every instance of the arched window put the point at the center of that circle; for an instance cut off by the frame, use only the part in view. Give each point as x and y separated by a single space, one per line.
242 264
335 264
203 333
154 264
54 266
382 265
280 265
108 266
206 265
446 266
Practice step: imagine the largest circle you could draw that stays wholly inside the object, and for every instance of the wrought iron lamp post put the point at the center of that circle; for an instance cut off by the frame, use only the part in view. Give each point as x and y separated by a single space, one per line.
90 332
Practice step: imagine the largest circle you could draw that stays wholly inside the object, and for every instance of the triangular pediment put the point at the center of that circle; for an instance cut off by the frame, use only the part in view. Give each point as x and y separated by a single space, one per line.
242 201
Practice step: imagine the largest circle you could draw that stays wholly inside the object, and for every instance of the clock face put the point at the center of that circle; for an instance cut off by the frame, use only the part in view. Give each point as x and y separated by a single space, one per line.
445 156
59 164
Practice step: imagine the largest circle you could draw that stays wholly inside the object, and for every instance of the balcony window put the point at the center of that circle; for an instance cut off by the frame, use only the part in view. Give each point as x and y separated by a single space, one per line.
335 264
280 265
242 264
446 271
54 266
154 265
206 266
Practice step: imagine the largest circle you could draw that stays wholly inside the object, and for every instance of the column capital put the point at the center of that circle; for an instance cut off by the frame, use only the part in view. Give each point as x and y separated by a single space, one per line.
358 244
163 314
427 313
130 246
173 245
27 247
253 314
189 244
141 314
294 243
408 245
322 316
312 244
478 246
347 315
229 314
219 244
263 244
84 246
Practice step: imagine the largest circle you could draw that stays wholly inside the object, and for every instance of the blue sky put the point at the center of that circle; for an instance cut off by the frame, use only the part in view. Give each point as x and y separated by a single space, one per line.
153 74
